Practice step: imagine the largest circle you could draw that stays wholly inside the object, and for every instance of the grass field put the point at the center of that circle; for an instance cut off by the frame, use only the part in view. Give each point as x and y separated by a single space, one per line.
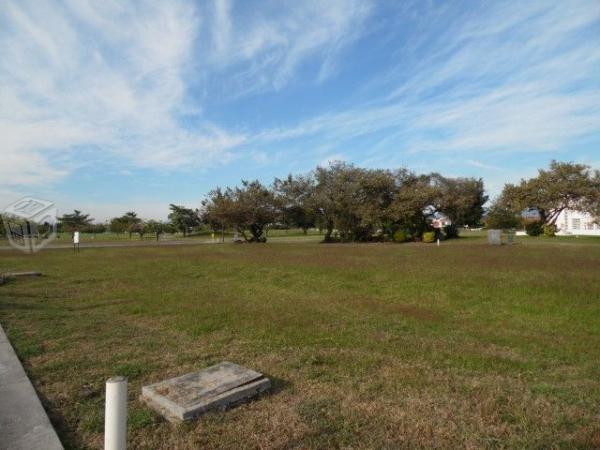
371 346
65 237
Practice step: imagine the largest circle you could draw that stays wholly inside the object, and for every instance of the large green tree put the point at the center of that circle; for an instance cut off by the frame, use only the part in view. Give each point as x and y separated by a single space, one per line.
217 211
183 219
409 209
118 225
354 202
338 197
133 223
293 199
460 199
248 208
563 185
157 228
75 221
128 222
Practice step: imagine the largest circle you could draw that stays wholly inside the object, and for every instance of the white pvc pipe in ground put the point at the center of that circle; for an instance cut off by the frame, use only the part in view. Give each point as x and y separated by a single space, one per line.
115 416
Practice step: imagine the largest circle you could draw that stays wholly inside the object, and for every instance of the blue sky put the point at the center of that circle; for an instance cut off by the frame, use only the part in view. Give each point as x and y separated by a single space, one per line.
111 106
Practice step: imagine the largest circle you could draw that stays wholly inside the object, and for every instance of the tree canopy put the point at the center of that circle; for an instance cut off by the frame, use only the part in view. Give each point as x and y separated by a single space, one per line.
563 186
183 219
293 200
75 221
128 222
248 209
349 203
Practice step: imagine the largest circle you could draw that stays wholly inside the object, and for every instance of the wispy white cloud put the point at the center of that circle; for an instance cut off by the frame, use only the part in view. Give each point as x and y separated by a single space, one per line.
481 165
255 51
107 75
136 82
114 76
513 78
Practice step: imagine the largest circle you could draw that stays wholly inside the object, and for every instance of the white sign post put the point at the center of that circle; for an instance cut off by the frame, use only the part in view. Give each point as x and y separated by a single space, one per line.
76 241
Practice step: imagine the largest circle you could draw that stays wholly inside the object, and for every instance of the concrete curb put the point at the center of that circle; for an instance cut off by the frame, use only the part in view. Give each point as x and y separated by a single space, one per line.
24 424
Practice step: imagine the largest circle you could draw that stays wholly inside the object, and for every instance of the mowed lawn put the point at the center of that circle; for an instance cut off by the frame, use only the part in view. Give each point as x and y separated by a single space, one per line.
369 345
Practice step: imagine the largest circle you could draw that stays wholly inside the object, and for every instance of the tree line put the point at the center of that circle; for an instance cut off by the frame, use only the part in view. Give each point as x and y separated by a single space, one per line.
348 203
181 219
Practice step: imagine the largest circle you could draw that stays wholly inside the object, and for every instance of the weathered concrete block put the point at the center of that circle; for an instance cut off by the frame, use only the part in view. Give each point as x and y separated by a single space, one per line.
494 237
214 388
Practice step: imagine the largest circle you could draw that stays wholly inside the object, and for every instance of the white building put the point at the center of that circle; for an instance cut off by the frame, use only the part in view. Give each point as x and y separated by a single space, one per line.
572 222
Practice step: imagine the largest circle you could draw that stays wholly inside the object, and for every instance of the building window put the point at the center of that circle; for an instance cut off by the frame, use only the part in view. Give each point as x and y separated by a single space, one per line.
575 224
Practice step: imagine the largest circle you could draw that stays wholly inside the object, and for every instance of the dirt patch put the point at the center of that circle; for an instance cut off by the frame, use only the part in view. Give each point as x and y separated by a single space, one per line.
387 307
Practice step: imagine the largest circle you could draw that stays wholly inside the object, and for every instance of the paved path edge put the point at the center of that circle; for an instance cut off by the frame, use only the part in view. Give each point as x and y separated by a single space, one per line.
24 423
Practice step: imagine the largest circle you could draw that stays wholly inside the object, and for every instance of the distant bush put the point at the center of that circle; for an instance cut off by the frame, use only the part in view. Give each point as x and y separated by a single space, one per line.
450 231
429 237
400 236
550 230
534 228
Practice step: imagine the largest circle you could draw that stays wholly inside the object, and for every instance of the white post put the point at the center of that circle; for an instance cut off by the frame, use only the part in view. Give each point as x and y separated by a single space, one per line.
438 242
115 416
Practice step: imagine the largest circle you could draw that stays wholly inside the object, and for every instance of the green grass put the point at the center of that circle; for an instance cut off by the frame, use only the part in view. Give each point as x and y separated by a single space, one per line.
373 345
65 238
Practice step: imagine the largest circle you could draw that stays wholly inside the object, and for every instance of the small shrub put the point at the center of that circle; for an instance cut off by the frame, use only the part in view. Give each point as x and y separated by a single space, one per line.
550 230
429 237
534 228
450 231
400 236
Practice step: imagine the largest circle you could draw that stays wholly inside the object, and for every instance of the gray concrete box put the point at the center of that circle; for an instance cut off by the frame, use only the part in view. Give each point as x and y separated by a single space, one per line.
214 388
494 237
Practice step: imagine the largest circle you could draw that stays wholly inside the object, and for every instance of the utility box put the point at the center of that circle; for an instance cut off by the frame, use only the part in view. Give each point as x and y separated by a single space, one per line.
494 237
510 237
214 388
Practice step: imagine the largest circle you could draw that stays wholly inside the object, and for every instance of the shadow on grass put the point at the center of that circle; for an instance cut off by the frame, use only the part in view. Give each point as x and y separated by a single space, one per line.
277 385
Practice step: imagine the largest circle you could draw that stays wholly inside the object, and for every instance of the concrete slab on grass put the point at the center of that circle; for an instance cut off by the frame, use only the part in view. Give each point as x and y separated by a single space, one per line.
24 424
215 388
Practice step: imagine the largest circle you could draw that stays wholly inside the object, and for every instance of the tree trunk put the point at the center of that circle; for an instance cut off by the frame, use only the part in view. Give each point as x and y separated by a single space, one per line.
553 216
256 231
328 231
